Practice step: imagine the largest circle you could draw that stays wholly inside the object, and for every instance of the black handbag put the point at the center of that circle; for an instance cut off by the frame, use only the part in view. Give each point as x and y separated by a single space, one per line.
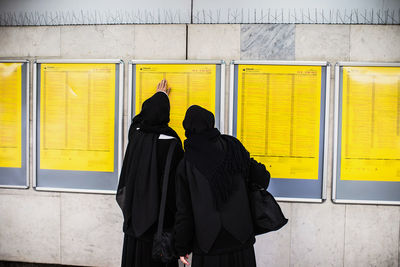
266 212
163 243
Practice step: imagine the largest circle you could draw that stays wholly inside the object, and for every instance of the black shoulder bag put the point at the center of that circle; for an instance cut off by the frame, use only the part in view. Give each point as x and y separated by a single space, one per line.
266 213
163 243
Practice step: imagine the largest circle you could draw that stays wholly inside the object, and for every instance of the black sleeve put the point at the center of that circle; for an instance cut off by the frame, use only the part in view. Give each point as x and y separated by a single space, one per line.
121 191
171 201
184 225
259 174
162 150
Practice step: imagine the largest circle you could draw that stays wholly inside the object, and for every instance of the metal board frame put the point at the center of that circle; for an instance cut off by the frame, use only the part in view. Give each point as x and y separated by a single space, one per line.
361 185
24 132
119 80
221 83
325 82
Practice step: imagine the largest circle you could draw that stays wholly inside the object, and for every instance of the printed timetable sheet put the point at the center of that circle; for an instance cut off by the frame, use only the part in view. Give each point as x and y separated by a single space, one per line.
77 103
10 115
190 84
370 136
278 117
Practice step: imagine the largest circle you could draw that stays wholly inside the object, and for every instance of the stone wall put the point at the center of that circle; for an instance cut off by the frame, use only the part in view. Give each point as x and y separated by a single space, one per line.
85 229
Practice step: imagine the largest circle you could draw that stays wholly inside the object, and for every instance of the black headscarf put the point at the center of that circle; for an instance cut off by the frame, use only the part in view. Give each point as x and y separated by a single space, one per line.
138 188
154 116
218 157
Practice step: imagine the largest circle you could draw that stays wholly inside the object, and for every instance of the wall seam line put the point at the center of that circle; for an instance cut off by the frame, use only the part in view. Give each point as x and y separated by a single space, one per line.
187 41
191 12
60 250
290 235
344 235
398 244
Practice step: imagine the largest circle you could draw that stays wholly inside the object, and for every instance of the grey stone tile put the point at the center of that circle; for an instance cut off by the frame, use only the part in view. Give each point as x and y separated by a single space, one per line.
30 228
323 42
214 42
160 41
372 236
267 41
273 249
100 41
91 230
27 264
378 43
29 41
317 234
28 192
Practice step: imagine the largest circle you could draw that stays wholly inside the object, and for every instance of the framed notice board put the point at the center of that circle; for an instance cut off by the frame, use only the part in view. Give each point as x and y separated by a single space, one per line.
192 82
279 111
366 161
77 125
14 123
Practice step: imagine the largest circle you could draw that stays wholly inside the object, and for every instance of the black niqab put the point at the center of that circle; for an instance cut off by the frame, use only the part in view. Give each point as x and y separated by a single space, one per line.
138 189
218 157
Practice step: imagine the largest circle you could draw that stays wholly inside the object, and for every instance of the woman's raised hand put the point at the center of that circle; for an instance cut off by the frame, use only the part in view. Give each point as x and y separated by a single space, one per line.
163 87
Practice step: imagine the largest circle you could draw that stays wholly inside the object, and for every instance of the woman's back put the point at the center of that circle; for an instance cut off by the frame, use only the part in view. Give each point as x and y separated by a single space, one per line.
140 185
213 217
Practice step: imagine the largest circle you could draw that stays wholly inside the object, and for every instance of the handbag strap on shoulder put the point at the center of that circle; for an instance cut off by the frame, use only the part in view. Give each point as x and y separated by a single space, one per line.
165 187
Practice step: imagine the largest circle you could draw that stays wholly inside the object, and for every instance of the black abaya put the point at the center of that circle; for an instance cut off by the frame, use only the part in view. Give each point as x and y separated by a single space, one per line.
226 249
244 257
137 250
140 185
213 217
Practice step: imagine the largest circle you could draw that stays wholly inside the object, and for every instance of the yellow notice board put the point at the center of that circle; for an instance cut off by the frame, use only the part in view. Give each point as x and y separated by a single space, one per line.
190 84
370 136
278 117
77 103
10 114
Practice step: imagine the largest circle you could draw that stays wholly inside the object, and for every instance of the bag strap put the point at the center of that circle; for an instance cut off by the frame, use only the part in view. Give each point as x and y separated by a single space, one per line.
165 187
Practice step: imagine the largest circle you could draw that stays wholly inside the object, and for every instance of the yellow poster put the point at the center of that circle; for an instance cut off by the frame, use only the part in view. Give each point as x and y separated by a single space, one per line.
10 115
190 84
278 117
370 140
77 103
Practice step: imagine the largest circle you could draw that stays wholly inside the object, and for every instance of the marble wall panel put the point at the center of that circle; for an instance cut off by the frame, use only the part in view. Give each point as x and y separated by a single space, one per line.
267 41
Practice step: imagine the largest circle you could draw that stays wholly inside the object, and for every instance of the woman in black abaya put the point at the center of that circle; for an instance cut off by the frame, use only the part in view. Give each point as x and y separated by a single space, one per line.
213 218
140 185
